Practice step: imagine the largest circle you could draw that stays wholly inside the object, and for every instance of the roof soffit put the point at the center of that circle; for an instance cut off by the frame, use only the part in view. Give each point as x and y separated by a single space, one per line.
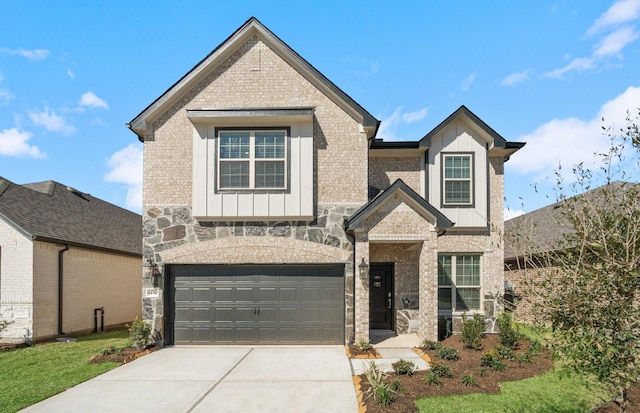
141 124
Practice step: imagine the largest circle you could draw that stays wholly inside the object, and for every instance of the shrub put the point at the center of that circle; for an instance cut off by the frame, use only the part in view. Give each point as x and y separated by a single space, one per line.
432 379
441 370
383 393
431 345
363 344
509 336
404 367
139 333
525 358
482 371
447 353
492 360
473 331
506 352
469 380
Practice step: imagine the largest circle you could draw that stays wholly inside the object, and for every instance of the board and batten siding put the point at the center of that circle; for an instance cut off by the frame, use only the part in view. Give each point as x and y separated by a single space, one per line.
460 138
294 203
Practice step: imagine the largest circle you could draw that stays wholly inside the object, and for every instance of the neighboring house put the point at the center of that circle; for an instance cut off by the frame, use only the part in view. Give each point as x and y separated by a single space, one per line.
532 240
65 257
266 192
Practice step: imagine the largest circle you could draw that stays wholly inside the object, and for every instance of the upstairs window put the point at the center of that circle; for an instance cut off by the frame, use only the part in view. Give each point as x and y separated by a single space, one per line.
458 283
458 179
252 159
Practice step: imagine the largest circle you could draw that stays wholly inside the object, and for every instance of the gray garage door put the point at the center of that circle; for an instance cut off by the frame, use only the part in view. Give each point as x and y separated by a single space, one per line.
257 304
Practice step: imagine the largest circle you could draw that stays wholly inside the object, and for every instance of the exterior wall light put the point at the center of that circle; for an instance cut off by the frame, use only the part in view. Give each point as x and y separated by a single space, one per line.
364 270
151 270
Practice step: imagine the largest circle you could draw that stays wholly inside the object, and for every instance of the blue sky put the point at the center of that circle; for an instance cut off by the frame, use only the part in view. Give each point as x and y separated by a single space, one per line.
73 73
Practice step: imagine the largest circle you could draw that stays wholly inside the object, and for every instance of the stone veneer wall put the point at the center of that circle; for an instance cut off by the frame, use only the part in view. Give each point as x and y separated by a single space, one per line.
168 227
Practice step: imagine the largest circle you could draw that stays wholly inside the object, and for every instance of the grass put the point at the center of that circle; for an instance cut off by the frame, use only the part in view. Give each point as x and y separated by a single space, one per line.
552 392
32 374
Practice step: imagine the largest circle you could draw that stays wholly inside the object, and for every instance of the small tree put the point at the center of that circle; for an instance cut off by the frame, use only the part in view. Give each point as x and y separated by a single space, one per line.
592 299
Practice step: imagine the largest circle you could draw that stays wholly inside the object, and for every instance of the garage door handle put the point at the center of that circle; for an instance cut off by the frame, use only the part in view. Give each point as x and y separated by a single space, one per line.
256 311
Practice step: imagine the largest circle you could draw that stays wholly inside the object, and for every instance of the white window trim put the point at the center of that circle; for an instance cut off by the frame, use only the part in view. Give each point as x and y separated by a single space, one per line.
453 286
471 179
252 159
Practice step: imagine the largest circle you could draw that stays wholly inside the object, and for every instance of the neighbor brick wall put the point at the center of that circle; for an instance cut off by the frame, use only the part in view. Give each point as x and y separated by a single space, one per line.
16 269
92 279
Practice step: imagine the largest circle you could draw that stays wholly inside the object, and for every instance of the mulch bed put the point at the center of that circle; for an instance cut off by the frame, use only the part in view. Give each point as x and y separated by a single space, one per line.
123 356
634 403
469 363
353 352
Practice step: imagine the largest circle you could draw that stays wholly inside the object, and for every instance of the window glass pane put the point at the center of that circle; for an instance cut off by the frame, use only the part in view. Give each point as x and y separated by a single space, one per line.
444 298
457 192
444 270
269 145
234 145
457 167
467 270
234 174
269 174
467 299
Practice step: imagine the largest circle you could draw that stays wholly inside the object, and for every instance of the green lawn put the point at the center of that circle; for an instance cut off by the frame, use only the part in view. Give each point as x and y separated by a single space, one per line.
32 374
550 392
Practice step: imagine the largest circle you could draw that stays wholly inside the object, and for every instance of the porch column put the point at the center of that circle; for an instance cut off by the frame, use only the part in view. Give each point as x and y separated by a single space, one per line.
428 287
361 292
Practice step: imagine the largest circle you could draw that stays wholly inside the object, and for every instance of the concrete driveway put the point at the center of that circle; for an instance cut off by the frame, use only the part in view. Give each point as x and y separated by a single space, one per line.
218 379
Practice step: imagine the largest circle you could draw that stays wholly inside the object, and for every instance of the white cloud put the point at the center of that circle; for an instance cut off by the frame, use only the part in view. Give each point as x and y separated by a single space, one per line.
35 54
622 11
5 96
579 64
516 78
126 168
467 82
90 100
569 141
71 74
49 120
512 213
616 41
389 125
14 143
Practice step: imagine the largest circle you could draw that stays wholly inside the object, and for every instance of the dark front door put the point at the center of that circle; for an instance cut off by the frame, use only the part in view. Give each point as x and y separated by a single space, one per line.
381 296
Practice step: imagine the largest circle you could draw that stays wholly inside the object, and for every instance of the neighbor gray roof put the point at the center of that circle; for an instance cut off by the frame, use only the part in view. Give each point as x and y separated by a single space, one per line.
52 212
540 230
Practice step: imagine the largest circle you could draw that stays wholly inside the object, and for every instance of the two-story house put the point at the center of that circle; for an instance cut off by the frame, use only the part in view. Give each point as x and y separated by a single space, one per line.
273 215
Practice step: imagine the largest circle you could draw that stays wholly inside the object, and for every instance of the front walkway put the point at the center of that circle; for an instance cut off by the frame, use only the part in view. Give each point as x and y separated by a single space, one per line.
392 348
185 379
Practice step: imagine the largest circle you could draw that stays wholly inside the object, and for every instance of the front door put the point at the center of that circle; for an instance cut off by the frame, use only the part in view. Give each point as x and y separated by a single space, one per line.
381 296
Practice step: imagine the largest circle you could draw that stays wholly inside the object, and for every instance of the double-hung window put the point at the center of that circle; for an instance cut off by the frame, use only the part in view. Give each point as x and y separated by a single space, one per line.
459 282
458 179
252 159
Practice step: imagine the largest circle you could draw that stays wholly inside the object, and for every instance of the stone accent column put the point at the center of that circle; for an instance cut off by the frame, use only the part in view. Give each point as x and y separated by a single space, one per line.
362 287
428 286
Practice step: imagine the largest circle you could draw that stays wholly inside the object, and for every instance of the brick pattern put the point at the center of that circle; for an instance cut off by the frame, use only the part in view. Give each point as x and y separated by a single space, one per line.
383 171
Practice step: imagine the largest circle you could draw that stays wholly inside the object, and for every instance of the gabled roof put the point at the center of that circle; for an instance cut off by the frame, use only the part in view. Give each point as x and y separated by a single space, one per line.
540 231
410 197
507 148
140 125
51 212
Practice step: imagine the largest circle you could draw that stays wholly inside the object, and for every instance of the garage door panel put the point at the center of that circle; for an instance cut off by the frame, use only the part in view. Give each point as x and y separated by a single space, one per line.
250 304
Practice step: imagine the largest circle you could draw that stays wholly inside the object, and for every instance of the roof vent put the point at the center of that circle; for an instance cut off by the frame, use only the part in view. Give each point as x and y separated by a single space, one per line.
78 193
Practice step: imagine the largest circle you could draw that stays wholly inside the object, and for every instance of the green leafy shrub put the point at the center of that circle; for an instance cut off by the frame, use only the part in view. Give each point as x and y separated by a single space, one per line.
404 367
492 360
111 350
441 370
139 333
363 344
431 345
473 331
505 352
509 336
447 353
482 371
526 357
396 386
432 379
383 393
469 380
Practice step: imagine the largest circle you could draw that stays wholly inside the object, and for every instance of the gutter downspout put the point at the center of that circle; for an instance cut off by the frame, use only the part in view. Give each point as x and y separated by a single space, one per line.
60 284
